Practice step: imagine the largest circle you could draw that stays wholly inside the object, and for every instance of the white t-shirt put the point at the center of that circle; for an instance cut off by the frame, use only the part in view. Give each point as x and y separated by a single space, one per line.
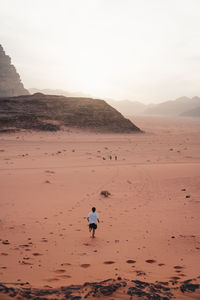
93 217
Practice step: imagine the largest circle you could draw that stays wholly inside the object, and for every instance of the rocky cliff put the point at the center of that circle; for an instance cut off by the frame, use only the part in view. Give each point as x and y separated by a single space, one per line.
10 82
50 112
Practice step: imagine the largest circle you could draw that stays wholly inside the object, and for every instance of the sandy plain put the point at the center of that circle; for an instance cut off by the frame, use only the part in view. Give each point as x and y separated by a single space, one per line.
149 226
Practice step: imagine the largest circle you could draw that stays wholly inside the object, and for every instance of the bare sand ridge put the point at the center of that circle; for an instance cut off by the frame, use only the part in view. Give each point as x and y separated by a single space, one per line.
149 228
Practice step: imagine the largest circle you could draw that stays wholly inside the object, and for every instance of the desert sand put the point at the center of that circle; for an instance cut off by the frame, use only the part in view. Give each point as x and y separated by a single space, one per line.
149 225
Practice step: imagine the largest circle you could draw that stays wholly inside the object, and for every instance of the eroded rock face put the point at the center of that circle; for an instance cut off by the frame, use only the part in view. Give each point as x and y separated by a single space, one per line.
131 289
10 82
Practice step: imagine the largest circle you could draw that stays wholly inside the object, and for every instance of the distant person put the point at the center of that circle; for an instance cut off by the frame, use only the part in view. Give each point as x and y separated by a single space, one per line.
115 157
110 157
93 218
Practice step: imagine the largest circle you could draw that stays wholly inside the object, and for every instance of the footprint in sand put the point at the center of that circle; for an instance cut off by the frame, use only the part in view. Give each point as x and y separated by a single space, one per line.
82 254
65 264
50 172
150 261
60 271
85 266
109 262
24 246
44 240
178 267
65 276
25 263
5 242
160 265
4 254
175 278
47 181
52 279
140 273
36 254
130 261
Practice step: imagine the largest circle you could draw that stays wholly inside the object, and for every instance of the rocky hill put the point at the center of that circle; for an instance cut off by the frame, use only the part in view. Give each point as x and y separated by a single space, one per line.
50 112
10 82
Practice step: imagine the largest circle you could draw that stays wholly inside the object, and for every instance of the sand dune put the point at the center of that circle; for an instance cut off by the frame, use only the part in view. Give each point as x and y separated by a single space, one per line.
149 227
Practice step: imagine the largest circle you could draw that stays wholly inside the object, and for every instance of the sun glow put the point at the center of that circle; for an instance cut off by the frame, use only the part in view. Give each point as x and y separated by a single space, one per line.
120 49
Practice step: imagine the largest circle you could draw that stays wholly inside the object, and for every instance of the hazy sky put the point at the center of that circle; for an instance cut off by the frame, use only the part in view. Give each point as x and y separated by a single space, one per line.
146 50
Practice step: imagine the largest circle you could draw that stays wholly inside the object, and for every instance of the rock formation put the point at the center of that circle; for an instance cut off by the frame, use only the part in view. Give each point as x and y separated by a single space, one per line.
50 112
130 289
10 82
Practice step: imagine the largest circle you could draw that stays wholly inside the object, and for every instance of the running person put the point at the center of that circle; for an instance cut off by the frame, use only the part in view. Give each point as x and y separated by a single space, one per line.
93 218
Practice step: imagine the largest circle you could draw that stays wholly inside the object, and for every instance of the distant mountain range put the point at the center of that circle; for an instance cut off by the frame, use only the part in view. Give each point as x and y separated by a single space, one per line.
192 113
182 106
58 92
176 107
127 107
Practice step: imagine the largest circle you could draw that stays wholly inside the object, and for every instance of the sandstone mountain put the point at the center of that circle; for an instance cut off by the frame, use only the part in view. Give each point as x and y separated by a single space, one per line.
51 112
10 82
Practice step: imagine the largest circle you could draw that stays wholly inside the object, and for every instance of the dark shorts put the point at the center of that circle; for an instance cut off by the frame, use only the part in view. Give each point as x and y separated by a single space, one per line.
93 225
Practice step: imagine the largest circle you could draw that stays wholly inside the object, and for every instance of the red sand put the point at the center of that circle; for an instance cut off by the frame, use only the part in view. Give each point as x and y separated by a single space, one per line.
49 182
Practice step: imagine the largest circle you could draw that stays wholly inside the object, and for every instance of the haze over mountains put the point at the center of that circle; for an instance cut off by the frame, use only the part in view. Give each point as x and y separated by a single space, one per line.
11 85
174 108
19 110
195 112
59 92
183 106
